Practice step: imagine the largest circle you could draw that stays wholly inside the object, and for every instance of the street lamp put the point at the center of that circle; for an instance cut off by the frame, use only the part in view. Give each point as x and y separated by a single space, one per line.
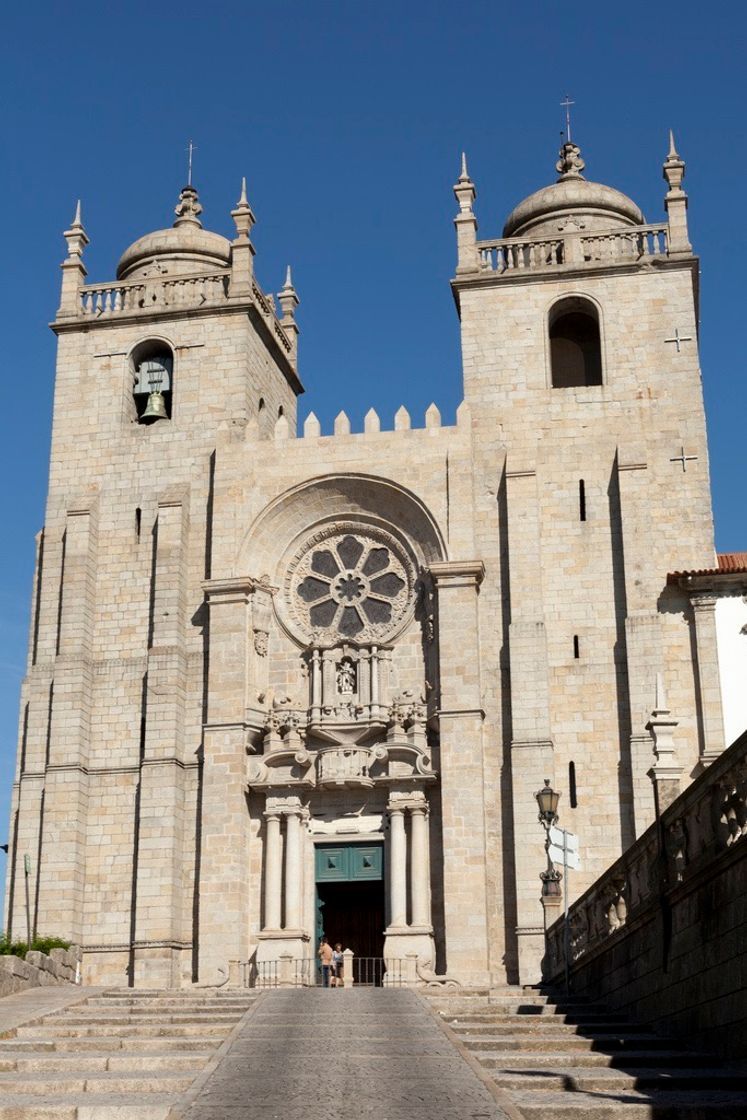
547 800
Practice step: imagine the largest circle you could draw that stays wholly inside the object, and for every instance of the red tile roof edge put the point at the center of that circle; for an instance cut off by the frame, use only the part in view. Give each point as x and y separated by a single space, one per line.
729 563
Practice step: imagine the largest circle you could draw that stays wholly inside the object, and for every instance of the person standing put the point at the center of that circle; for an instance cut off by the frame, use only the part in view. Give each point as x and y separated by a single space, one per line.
337 965
325 955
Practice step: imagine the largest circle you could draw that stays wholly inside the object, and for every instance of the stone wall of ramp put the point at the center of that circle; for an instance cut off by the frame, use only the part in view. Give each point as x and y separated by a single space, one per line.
38 970
662 935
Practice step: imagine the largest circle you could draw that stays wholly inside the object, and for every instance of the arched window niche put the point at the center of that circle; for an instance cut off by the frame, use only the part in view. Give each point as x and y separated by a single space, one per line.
152 367
575 343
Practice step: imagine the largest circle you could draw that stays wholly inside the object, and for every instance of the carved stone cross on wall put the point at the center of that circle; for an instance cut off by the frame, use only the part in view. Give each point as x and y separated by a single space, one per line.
678 338
683 458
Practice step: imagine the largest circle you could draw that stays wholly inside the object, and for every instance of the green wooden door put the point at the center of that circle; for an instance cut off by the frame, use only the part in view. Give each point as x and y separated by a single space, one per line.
349 863
345 863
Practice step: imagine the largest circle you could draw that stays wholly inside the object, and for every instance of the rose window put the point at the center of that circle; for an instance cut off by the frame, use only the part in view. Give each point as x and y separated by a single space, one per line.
354 585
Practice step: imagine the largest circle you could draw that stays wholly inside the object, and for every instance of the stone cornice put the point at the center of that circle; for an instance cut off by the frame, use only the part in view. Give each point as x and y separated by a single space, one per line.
234 588
457 573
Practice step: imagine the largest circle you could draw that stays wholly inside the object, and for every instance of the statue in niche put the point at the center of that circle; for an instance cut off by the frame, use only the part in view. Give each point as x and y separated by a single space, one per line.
346 677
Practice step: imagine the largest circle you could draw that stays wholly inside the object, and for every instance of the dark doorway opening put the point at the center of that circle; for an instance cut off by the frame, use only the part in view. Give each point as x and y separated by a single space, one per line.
353 914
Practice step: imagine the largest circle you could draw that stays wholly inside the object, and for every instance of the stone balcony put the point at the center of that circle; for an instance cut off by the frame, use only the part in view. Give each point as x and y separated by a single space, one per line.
621 245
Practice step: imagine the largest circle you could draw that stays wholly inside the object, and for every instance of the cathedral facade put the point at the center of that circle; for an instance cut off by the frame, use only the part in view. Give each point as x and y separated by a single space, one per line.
282 685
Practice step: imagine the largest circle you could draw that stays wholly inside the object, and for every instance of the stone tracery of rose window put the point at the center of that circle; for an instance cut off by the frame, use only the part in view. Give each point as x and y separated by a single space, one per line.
355 585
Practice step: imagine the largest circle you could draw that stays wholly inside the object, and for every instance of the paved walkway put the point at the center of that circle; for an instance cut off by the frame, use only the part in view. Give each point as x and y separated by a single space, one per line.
312 1054
24 1007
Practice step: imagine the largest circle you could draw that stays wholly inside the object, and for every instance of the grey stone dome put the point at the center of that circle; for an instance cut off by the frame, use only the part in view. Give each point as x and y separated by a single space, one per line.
596 205
185 247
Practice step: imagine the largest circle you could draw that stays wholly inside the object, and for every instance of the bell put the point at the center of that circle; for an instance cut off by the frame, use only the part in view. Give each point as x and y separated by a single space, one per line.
155 409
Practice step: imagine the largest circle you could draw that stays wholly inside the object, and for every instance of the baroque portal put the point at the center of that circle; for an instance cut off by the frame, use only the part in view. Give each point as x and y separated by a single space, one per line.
344 759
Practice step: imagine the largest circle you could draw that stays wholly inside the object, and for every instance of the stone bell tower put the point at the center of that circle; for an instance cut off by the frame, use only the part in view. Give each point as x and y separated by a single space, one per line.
579 335
151 366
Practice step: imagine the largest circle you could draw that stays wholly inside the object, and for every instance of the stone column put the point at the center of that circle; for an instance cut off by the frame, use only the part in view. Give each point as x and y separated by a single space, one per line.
639 627
420 887
461 718
226 836
531 739
293 871
709 683
316 686
61 860
159 917
665 773
398 867
273 871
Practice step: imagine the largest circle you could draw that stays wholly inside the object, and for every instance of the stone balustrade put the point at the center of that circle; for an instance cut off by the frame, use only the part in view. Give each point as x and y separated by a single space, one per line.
695 847
169 294
104 300
573 248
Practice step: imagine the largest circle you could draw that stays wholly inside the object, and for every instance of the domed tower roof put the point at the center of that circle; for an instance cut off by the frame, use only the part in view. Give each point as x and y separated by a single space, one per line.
589 205
184 248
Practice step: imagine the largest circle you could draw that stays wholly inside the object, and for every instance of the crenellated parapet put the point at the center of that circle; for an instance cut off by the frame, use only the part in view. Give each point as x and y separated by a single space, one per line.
372 427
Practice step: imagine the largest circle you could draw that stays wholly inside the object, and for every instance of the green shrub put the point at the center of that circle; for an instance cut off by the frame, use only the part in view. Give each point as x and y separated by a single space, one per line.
21 948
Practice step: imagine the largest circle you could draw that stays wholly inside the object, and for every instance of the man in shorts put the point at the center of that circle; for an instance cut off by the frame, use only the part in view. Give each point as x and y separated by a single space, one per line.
325 956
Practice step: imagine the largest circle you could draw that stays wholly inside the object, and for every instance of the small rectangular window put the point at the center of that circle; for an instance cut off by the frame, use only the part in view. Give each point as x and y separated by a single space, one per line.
573 799
575 646
581 500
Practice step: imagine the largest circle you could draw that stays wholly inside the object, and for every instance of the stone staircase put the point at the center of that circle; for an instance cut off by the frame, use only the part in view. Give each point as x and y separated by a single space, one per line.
568 1058
122 1055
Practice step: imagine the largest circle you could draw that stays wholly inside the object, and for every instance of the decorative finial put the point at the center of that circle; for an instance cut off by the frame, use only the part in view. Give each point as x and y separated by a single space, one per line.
288 279
191 149
567 106
464 176
243 201
76 236
188 208
570 165
673 153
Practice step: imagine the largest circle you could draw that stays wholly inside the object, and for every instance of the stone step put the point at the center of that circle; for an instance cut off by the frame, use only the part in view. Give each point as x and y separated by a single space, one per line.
134 995
97 1106
151 1044
134 1030
547 1026
656 1078
171 1007
502 1015
52 1084
78 1018
568 1043
518 1059
92 1063
697 1105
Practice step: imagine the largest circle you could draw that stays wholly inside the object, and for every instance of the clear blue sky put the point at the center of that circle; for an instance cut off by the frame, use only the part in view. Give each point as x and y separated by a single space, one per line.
348 120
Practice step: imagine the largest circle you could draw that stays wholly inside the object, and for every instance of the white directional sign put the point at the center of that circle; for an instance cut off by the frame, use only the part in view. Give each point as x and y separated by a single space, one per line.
560 840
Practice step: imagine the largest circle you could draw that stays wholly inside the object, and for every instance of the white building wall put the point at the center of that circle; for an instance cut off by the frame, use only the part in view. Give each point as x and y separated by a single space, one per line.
731 631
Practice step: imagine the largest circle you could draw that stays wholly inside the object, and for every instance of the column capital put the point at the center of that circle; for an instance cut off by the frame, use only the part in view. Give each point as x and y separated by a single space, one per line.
703 600
290 806
457 573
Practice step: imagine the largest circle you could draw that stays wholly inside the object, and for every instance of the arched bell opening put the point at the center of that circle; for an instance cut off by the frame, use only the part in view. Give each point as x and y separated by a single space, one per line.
152 366
575 344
